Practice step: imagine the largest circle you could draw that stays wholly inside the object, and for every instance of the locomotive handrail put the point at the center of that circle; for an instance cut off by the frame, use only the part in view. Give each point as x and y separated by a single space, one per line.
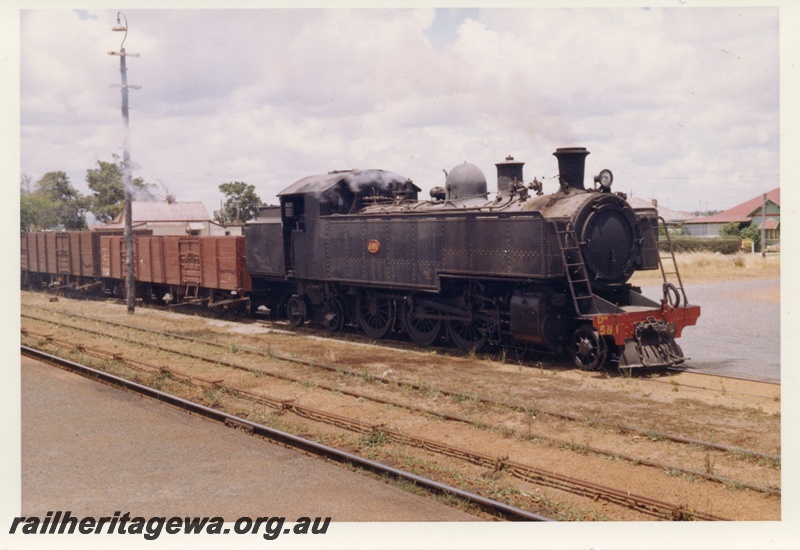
663 223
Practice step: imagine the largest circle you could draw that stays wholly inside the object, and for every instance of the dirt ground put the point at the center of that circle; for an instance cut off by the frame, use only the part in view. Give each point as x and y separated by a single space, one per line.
734 413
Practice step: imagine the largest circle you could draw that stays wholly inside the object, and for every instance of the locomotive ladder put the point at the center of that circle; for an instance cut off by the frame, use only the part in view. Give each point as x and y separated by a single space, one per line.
669 256
574 269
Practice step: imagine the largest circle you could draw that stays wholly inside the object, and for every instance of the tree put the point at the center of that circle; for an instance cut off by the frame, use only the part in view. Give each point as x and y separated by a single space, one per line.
36 212
753 233
736 229
71 205
106 183
52 203
25 184
241 203
730 229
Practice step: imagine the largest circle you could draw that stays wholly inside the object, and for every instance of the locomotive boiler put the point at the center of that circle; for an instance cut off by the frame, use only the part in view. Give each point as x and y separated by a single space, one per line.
523 270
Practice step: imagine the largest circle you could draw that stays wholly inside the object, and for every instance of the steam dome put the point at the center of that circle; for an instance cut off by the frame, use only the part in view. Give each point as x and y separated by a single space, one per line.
465 181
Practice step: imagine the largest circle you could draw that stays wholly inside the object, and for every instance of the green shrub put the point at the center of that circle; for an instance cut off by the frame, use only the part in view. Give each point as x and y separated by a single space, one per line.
754 234
702 244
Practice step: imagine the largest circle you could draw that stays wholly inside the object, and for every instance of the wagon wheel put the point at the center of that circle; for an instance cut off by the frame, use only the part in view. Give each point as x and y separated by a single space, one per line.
587 348
375 314
145 292
243 309
296 311
422 332
333 315
34 281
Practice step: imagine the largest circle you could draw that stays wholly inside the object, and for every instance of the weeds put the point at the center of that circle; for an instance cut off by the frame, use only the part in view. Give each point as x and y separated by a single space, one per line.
213 395
376 438
160 380
462 398
709 463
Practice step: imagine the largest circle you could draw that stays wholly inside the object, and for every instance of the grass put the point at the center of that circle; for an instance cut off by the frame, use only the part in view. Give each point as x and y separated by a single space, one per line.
376 438
698 267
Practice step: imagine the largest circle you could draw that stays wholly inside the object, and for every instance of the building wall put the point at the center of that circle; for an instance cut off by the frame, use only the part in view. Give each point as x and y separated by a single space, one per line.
702 229
168 229
220 230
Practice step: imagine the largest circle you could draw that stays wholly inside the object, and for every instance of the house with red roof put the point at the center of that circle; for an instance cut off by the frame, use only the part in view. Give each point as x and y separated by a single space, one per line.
747 213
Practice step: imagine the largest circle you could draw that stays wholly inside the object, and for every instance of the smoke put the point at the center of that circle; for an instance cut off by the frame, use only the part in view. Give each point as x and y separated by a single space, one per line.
344 196
359 180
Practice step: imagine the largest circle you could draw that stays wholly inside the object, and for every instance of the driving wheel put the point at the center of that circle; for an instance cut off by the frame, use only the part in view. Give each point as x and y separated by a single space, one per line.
422 330
587 348
375 314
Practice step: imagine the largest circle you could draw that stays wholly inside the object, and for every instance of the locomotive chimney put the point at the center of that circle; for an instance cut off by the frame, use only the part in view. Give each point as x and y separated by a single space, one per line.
507 172
571 164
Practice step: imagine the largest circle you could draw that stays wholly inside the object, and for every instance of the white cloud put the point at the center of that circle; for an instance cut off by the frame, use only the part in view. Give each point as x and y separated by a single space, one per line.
270 96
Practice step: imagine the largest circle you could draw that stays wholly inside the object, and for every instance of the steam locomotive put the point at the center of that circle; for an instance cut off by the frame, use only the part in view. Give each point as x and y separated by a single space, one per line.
525 271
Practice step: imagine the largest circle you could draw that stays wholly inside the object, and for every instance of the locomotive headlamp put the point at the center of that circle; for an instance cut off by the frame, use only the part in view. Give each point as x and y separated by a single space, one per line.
605 178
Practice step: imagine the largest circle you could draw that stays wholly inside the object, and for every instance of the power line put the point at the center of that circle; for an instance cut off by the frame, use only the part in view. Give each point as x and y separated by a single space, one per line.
723 176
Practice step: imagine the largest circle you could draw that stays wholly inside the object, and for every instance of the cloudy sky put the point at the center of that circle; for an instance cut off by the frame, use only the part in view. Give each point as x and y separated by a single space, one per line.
682 104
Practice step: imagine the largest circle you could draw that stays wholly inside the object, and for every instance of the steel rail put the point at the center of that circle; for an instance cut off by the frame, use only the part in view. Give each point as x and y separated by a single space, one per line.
525 472
284 404
448 349
689 370
490 506
484 400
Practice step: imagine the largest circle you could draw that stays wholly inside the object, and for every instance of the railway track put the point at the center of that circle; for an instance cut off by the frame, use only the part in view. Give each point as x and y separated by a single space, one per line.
488 506
520 471
655 507
721 375
351 334
473 397
514 468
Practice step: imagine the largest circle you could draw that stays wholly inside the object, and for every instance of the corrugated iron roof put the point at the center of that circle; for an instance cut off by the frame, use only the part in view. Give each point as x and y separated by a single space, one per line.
153 212
770 223
668 214
742 212
169 212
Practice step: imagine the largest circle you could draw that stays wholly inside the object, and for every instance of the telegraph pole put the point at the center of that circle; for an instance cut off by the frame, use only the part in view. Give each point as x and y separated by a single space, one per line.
764 225
130 279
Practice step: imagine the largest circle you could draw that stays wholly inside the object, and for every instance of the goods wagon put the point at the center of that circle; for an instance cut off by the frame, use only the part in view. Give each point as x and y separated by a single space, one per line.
67 259
179 269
